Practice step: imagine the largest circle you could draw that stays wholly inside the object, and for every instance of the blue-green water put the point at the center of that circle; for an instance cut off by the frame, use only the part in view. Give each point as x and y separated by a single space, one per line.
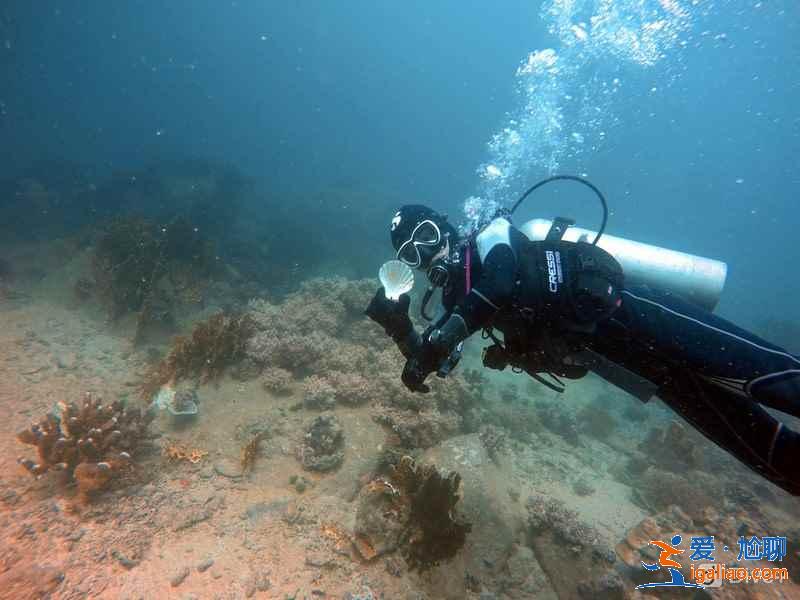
266 144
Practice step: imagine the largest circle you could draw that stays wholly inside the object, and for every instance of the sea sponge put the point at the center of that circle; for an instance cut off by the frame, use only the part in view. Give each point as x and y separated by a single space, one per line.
213 345
90 443
434 530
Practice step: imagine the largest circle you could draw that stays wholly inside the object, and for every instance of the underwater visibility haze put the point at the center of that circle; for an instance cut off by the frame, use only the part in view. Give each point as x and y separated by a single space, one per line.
223 225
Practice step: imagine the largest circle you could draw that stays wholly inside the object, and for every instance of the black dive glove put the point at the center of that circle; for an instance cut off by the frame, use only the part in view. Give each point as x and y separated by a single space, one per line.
393 317
432 354
390 314
425 361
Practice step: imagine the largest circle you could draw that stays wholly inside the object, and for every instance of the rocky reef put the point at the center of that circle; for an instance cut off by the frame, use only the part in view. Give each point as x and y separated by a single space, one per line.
319 337
413 508
90 443
434 533
555 533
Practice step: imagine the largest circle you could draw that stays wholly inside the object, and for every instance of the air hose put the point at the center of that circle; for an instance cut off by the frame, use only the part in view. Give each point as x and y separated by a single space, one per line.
585 182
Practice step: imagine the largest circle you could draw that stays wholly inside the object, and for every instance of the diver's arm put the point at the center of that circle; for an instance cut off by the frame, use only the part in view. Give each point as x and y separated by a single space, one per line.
493 290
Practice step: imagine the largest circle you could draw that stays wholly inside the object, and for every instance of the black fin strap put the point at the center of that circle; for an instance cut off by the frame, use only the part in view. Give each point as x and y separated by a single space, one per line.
559 388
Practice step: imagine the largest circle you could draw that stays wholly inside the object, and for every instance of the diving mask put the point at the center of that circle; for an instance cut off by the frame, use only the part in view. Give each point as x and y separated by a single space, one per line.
422 246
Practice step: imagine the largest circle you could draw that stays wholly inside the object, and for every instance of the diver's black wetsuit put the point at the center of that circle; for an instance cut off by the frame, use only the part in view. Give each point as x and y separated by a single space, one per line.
712 373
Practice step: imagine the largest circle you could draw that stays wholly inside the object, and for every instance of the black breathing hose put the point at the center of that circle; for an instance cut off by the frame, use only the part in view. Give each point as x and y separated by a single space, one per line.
585 182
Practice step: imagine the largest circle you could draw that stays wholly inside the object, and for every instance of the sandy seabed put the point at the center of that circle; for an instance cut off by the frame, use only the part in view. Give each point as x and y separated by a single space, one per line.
177 529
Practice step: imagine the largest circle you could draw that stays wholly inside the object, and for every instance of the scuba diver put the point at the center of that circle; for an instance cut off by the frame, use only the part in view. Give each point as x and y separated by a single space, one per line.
564 308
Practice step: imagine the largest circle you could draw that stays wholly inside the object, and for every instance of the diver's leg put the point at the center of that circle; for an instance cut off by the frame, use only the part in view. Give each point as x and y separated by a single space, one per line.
713 374
739 425
715 349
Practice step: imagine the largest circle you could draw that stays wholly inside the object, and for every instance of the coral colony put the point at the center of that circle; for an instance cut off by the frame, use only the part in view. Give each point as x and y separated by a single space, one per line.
90 443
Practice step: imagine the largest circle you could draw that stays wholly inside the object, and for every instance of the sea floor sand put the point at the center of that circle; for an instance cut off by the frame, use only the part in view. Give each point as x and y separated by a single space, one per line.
174 529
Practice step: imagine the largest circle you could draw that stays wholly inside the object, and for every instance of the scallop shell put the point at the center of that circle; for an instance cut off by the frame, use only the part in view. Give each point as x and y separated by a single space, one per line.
397 278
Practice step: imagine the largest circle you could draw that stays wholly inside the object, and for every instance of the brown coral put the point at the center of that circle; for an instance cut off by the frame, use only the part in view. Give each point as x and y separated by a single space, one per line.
213 345
433 532
90 443
250 451
177 452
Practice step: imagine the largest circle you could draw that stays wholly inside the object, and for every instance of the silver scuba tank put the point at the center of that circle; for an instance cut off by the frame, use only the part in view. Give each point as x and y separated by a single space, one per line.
697 279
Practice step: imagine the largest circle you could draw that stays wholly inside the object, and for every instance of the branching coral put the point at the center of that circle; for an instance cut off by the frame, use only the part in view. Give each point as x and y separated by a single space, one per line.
433 532
127 259
494 440
214 344
90 443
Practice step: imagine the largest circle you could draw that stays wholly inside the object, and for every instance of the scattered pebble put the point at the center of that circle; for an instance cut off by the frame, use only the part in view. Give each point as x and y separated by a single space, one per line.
249 588
258 582
318 560
124 560
66 360
193 517
205 565
178 578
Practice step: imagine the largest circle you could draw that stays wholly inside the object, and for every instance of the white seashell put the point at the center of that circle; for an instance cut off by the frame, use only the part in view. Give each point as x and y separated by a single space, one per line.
397 278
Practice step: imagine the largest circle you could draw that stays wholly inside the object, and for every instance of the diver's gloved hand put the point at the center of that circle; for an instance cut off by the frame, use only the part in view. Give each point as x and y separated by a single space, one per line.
414 375
391 315
426 359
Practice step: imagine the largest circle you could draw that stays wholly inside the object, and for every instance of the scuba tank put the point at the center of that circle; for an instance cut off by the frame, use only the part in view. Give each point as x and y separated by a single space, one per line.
697 279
